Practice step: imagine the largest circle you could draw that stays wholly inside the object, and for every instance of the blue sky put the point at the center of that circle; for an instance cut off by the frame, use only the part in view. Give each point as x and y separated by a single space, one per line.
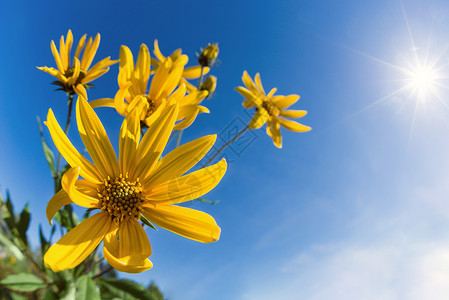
355 209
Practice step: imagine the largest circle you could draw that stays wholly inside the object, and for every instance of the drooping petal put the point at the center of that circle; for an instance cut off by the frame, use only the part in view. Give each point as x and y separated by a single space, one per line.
78 243
154 141
76 72
157 52
103 102
128 264
282 102
133 239
55 73
119 100
194 72
293 126
71 155
187 222
293 113
187 121
260 117
96 140
79 198
59 200
276 134
180 160
80 90
185 188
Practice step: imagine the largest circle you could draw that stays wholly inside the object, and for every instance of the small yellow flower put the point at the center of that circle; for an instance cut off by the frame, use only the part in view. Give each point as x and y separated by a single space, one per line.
75 77
270 109
139 183
188 73
133 82
208 55
209 84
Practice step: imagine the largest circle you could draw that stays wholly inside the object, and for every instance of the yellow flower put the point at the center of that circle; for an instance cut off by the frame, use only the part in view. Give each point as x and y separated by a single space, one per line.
270 109
188 73
139 183
133 82
74 77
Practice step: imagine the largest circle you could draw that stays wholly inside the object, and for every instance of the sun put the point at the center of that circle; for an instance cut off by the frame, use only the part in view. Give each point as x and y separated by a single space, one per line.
423 81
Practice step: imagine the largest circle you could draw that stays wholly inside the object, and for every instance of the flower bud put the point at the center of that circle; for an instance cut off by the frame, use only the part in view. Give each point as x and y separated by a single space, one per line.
209 84
208 55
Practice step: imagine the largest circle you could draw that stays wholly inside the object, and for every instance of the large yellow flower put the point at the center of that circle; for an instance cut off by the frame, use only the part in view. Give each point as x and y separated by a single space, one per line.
140 183
188 73
270 109
133 82
74 77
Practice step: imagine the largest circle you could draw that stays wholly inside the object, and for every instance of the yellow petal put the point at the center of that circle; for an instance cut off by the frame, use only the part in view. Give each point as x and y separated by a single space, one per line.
194 72
103 102
293 126
96 140
250 84
293 113
63 53
79 198
129 140
126 66
284 101
55 73
133 239
71 155
89 53
187 222
187 187
188 120
180 160
68 45
76 72
260 117
78 243
81 91
80 46
157 52
142 71
259 83
59 200
154 141
119 100
128 264
251 100
276 134
55 53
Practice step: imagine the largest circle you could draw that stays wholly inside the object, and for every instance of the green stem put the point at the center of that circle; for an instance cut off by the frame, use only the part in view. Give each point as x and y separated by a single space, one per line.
178 140
225 145
103 272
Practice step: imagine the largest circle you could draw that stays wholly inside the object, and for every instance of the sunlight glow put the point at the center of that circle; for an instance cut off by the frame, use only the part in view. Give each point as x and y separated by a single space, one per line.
423 81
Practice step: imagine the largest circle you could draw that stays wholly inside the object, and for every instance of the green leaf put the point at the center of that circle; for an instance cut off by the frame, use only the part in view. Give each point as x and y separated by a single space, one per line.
123 289
44 243
8 244
24 222
8 215
147 222
49 295
23 282
86 289
48 153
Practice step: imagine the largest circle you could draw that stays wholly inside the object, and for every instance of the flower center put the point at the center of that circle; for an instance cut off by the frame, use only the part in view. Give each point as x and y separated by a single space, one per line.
151 107
121 198
70 71
271 109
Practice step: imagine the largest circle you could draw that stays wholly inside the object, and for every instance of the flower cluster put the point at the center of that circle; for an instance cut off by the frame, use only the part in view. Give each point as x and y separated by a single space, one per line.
156 97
